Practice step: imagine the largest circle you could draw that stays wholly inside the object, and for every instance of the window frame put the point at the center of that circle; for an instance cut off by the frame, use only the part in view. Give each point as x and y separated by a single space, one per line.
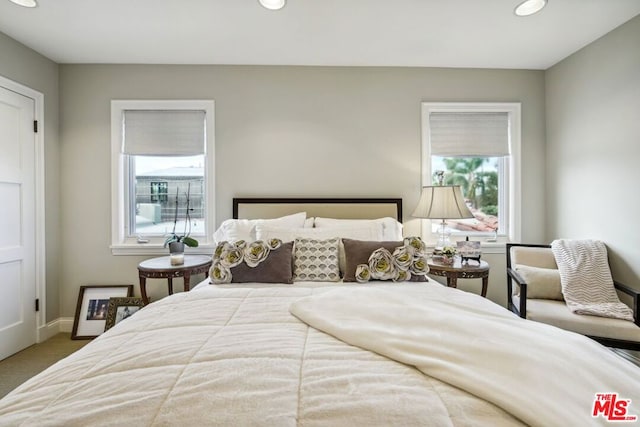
121 183
511 169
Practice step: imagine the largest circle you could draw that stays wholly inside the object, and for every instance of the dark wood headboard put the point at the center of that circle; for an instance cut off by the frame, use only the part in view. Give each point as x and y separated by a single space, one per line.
345 208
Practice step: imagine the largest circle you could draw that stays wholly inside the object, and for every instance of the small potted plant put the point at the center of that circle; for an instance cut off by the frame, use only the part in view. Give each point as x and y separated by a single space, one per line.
177 242
448 253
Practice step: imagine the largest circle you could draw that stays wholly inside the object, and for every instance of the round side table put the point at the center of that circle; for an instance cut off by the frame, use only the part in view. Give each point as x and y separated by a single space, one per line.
459 270
161 268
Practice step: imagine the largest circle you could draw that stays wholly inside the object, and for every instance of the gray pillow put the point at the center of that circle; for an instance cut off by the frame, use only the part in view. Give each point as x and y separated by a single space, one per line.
276 268
358 252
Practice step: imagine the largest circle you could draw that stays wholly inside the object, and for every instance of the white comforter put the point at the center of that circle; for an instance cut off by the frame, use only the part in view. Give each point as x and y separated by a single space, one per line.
237 357
541 374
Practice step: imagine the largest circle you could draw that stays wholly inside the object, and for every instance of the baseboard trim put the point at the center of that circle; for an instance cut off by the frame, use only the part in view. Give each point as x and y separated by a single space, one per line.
66 324
61 324
47 331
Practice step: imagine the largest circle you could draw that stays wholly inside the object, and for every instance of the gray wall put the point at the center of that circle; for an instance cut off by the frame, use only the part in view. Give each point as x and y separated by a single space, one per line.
593 147
280 131
27 67
345 132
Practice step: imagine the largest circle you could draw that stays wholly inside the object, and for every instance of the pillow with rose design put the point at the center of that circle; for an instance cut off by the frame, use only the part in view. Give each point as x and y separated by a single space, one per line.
397 261
259 261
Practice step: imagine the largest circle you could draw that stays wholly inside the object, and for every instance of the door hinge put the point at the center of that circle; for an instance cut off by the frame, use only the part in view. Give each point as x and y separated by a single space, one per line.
37 304
35 126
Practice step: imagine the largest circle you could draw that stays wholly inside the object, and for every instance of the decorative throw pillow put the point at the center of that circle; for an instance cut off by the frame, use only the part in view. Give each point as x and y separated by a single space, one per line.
369 232
396 261
316 260
259 261
543 283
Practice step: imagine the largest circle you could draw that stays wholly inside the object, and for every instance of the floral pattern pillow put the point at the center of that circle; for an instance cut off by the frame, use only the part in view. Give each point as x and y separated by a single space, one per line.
259 261
405 262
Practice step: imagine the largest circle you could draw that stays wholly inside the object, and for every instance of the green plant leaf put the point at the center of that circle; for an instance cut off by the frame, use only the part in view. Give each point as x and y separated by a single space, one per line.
170 239
190 241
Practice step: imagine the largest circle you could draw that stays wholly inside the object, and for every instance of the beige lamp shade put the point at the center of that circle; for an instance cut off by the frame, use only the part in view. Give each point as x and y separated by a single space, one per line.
442 202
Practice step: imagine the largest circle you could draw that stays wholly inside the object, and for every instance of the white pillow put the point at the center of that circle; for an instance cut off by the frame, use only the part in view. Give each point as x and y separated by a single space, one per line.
390 228
361 232
308 223
232 230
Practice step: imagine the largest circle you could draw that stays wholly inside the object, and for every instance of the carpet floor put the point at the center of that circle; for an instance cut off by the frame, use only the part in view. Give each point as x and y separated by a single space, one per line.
16 369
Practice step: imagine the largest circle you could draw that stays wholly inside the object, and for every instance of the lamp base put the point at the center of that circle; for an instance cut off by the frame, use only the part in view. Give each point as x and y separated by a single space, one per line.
443 236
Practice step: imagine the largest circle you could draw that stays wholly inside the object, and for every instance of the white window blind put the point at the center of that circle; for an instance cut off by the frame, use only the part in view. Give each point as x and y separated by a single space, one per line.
458 134
164 132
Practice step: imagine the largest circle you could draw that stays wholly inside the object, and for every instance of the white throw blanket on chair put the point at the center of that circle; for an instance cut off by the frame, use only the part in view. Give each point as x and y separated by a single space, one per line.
586 279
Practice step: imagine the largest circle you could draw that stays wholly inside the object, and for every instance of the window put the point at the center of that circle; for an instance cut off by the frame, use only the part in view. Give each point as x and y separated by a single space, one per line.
162 152
158 191
160 182
477 146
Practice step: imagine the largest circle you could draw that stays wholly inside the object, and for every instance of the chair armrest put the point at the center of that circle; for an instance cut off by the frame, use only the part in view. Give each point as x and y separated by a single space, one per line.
626 289
636 299
517 277
512 274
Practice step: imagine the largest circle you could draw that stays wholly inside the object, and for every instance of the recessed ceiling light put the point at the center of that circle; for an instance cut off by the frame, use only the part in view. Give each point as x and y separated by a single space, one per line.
25 3
272 4
529 7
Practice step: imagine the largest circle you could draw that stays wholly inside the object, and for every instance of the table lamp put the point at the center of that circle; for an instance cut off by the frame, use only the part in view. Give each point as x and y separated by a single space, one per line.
442 202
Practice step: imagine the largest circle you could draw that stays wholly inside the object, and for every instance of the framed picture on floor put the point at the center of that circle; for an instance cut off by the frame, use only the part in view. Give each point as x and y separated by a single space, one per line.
91 309
120 309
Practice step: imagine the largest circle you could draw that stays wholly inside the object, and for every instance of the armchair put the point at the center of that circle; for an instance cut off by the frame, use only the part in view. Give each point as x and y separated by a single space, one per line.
534 292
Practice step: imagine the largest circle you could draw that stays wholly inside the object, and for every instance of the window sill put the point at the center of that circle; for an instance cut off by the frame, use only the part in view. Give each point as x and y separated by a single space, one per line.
155 249
498 247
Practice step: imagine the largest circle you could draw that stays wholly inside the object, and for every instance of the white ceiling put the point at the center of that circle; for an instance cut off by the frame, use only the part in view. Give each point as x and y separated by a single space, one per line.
430 33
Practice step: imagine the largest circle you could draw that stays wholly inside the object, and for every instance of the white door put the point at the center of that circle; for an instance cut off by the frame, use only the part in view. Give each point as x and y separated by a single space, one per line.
17 223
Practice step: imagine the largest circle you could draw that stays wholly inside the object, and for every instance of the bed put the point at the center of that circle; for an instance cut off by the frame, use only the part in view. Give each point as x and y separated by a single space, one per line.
327 353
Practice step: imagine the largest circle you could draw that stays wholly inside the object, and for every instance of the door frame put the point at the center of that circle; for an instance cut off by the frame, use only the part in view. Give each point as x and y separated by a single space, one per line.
39 180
